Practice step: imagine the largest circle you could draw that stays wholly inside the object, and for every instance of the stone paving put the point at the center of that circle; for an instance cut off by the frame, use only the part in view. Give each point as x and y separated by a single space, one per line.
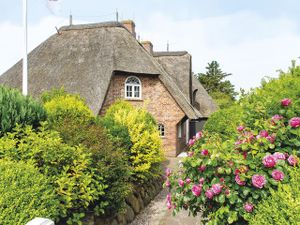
156 213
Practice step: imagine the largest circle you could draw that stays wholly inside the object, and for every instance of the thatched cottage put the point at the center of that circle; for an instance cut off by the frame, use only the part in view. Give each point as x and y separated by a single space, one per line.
104 62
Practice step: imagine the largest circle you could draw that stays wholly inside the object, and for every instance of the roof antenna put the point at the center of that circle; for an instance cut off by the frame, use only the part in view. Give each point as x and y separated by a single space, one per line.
57 30
168 46
71 19
117 15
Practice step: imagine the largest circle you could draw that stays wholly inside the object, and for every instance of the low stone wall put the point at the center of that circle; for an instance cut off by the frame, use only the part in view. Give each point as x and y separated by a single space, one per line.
135 203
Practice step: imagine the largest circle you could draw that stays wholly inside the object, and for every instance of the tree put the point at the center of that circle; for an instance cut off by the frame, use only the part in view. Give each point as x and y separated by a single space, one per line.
213 81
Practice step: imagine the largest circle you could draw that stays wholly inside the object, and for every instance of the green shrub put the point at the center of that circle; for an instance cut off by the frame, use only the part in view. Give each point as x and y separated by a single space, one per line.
70 170
145 154
18 109
282 207
25 194
109 162
224 122
60 105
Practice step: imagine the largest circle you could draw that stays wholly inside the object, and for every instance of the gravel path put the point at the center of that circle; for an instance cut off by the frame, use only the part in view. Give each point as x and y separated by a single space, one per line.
156 213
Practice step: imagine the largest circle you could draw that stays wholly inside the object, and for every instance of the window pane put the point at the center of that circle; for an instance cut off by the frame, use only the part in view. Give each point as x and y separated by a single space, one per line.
128 91
136 91
132 80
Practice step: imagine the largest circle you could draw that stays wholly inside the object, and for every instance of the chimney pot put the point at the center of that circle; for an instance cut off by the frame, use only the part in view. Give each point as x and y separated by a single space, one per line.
148 46
130 26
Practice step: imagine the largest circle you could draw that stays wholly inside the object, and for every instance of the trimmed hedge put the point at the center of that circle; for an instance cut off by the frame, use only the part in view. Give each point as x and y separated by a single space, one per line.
25 194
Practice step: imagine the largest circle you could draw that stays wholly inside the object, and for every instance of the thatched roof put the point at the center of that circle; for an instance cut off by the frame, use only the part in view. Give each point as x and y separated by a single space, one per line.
178 65
83 58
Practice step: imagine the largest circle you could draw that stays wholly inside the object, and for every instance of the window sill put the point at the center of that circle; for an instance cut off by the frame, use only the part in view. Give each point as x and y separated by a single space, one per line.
134 99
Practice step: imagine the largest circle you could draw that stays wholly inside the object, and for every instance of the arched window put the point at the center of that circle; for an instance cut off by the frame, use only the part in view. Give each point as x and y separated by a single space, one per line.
133 88
161 130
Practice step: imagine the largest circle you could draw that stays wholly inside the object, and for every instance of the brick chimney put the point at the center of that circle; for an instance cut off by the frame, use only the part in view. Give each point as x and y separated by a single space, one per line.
130 26
148 46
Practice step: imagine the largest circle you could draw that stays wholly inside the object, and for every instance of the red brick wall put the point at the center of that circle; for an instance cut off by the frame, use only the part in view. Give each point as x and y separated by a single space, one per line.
159 103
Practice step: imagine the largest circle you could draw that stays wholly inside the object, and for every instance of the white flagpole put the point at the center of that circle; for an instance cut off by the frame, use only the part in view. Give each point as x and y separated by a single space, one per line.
25 69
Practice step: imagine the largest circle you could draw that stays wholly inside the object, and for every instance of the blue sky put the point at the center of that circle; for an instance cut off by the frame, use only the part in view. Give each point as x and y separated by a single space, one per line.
250 39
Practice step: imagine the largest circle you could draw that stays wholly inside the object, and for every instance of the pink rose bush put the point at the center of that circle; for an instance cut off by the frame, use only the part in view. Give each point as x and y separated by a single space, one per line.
231 177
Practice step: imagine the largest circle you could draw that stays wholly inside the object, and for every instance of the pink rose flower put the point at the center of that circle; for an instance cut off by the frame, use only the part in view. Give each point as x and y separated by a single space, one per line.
204 152
188 180
169 197
271 138
191 142
295 122
276 117
239 142
227 192
199 135
286 102
240 128
258 181
209 194
196 190
181 183
277 175
264 133
239 181
168 183
269 161
292 160
248 207
216 188
279 156
201 180
169 205
168 172
202 168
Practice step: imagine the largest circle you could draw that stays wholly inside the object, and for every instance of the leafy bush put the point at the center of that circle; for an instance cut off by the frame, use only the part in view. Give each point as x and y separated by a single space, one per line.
60 105
108 161
282 207
224 122
18 109
145 153
69 169
25 194
230 176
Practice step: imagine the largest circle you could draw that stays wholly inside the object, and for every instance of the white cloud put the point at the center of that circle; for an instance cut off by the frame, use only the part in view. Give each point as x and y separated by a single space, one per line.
245 44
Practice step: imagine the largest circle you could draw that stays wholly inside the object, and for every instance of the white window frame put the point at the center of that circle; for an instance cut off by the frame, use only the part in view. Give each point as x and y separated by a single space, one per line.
133 87
180 130
161 127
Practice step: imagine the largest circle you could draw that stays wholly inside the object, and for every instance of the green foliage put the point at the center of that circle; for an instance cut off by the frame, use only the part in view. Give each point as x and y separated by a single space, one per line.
213 81
224 122
18 109
108 161
60 105
77 183
233 158
25 194
145 153
223 100
282 206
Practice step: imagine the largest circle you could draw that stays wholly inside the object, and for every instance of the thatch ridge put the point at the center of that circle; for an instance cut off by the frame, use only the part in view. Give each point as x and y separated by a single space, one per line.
170 53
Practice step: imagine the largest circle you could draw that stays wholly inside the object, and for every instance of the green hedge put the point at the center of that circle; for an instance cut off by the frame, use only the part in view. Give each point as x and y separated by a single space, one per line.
25 194
283 206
